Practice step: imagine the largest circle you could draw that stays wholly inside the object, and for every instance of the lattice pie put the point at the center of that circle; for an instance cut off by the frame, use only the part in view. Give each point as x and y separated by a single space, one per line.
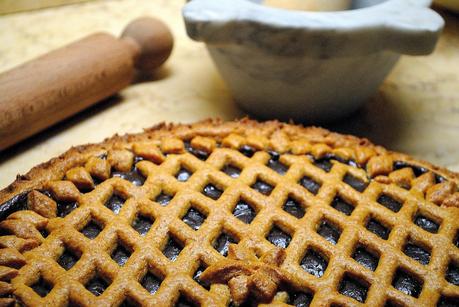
236 213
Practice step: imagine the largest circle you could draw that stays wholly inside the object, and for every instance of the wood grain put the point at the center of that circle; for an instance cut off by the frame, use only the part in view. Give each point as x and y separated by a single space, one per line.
61 83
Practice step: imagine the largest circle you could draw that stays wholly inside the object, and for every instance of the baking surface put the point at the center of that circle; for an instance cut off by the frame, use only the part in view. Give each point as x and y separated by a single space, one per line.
416 110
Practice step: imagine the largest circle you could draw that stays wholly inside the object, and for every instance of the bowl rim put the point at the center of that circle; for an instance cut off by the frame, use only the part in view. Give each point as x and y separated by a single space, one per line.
402 26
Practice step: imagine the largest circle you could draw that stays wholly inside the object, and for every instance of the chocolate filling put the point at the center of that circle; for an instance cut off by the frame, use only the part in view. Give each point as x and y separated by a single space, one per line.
294 208
231 171
193 218
121 255
262 187
342 206
275 164
200 154
365 258
212 191
452 274
355 183
329 232
65 208
42 287
196 278
417 253
456 239
115 203
244 212
183 174
183 301
151 283
163 199
299 299
222 243
353 288
324 164
390 203
128 302
279 238
133 176
142 224
446 301
377 228
417 170
97 285
406 283
314 263
16 203
247 151
172 249
310 185
426 224
68 259
91 230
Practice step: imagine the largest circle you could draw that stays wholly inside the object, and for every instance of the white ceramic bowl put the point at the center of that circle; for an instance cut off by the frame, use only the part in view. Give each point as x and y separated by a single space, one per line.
309 66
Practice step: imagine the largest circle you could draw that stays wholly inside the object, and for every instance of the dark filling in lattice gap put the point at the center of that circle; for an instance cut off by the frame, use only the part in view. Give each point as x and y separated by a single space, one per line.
163 199
247 151
452 274
68 259
366 258
275 164
133 176
389 202
417 252
142 224
200 154
151 282
299 299
121 254
355 182
343 206
262 187
314 263
426 224
16 203
115 203
294 208
354 288
97 285
278 237
310 185
222 243
172 249
330 232
406 283
231 170
183 174
377 228
212 191
91 230
183 301
194 218
42 287
196 277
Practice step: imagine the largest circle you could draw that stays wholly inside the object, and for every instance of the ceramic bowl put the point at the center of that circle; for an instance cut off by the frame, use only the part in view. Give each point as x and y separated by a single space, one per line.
309 66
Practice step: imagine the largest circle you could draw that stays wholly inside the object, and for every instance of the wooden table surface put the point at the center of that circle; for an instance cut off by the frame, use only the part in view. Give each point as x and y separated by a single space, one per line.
416 110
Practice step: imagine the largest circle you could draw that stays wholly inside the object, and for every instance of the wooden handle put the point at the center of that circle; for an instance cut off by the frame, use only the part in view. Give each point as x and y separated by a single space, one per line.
65 81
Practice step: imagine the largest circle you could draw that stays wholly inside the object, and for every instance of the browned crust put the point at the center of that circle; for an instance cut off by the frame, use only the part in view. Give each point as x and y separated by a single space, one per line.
55 168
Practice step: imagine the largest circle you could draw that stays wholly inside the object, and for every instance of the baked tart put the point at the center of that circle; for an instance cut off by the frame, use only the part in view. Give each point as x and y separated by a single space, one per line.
229 214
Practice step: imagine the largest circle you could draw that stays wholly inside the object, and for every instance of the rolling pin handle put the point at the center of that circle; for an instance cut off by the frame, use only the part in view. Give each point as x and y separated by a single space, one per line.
151 42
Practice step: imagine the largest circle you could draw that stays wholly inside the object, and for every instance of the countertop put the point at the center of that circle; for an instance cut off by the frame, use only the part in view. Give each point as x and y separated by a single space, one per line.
416 110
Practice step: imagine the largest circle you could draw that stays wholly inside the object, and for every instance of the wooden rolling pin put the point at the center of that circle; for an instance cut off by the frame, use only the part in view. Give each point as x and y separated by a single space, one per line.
52 87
